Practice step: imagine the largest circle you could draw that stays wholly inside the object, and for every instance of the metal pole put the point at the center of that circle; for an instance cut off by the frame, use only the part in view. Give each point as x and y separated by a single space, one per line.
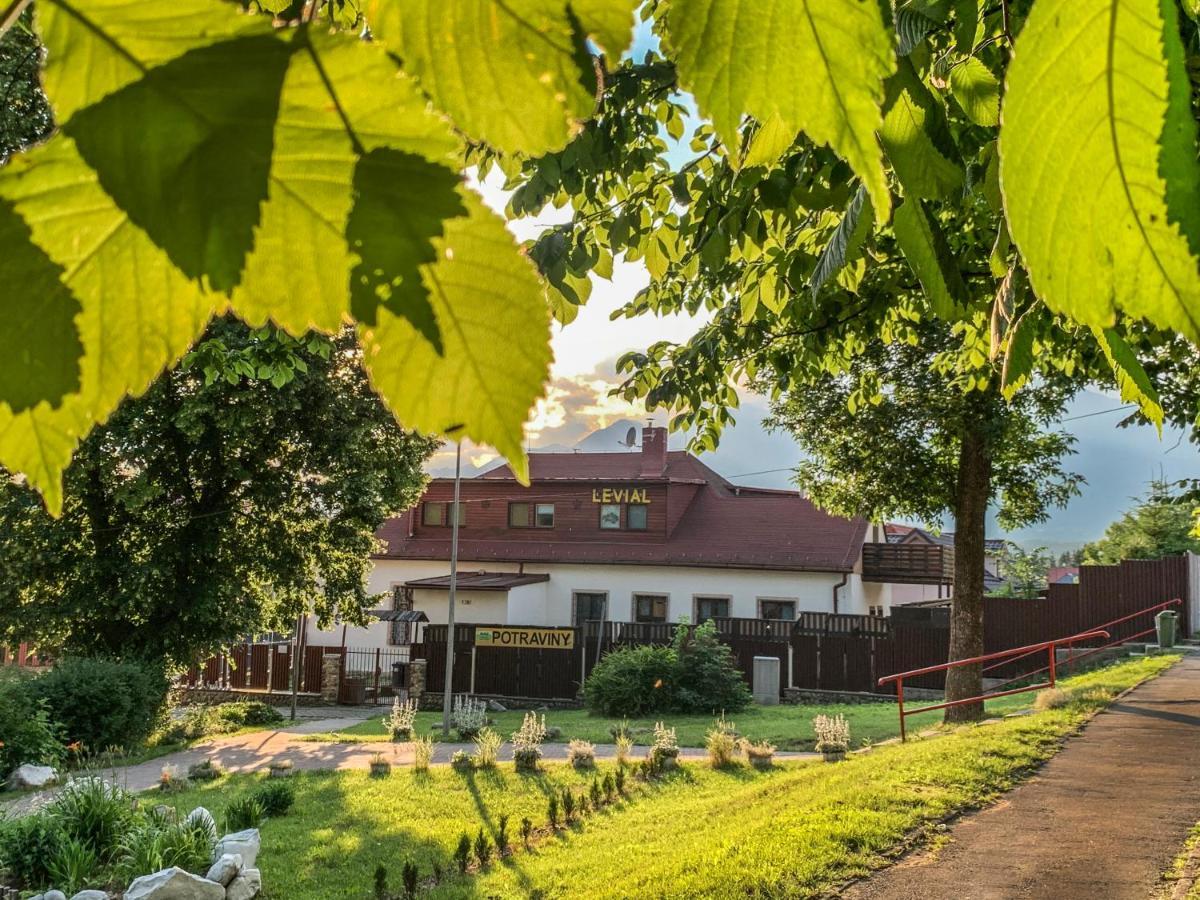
448 683
599 632
297 651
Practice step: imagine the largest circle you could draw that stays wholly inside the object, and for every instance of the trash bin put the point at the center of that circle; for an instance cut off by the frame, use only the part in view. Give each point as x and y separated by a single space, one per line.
1166 623
399 675
353 692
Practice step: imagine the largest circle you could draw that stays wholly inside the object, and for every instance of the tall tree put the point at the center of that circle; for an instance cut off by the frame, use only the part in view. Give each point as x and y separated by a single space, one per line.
243 488
1159 525
24 114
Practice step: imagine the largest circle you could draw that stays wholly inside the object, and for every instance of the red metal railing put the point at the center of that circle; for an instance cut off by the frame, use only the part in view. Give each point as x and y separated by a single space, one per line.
1015 653
1071 658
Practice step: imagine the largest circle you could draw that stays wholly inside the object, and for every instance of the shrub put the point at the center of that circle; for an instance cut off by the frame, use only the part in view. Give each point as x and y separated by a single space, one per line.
409 875
610 788
205 770
759 754
526 831
422 754
552 810
833 734
469 716
568 805
27 845
462 853
597 793
242 813
1051 698
243 713
706 679
632 681
402 720
103 703
275 797
502 835
581 754
73 865
624 749
158 845
461 761
487 746
381 891
483 848
527 742
665 749
94 813
30 736
619 781
722 744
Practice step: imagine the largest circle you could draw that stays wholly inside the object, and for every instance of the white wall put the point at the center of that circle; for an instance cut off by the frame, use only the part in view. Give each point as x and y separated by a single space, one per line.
482 607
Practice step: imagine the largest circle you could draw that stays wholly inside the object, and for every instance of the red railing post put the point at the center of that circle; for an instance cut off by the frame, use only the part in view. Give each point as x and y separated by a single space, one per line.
900 700
1053 662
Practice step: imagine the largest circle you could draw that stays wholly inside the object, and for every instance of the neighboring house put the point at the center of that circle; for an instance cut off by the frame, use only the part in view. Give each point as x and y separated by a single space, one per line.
643 536
993 576
1063 575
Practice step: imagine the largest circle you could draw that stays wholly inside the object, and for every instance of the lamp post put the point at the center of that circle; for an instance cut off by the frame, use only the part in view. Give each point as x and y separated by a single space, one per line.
447 693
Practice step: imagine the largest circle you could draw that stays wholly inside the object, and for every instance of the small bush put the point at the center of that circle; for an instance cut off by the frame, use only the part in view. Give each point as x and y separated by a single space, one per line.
707 679
462 853
1051 698
568 805
721 742
27 845
275 797
526 831
624 749
597 794
487 746
103 703
833 734
552 811
483 848
244 713
581 754
759 754
619 781
632 681
409 874
422 754
402 720
158 845
527 742
502 835
461 761
205 770
665 749
610 788
94 813
30 736
242 813
469 716
73 866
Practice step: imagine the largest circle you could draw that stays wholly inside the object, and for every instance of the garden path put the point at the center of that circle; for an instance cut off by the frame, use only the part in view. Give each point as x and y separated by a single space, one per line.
1103 818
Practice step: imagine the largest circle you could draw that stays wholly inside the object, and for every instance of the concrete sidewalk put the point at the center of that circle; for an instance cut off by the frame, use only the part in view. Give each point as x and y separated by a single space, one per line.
1102 819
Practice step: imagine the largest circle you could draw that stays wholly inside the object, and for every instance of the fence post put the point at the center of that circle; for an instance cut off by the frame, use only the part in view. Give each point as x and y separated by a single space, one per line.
376 676
791 673
473 649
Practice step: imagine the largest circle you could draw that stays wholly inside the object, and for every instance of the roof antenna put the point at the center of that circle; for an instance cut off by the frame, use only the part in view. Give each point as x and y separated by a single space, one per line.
630 438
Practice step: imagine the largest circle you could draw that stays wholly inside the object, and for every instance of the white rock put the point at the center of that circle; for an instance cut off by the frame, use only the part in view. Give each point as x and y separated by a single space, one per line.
245 844
54 895
174 884
90 895
31 776
246 885
204 817
497 706
225 869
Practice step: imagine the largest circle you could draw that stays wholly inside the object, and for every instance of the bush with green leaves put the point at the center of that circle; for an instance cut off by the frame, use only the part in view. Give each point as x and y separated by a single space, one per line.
243 812
103 703
695 674
158 844
275 797
29 734
197 722
28 845
95 813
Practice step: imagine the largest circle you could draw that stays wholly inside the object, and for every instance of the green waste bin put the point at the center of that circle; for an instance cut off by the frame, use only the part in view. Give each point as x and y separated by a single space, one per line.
1166 623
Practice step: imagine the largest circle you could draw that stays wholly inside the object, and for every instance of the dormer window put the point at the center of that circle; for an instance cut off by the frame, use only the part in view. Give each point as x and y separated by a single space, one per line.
437 512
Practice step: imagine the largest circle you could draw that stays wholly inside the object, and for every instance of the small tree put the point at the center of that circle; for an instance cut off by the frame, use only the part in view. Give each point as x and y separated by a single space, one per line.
706 677
1161 524
1024 571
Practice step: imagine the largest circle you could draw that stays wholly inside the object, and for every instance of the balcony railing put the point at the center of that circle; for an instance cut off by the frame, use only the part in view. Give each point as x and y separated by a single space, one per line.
908 563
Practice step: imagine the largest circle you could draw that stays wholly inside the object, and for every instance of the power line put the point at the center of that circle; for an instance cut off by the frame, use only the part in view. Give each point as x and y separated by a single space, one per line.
1100 412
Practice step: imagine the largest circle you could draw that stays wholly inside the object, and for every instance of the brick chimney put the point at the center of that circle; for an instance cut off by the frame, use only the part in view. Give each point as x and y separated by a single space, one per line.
654 452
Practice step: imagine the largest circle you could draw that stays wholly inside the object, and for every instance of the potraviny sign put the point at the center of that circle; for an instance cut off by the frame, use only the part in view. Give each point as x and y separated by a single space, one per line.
532 638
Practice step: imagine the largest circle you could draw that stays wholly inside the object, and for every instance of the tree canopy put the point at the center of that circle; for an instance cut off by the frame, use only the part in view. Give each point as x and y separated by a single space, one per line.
221 203
1160 524
245 487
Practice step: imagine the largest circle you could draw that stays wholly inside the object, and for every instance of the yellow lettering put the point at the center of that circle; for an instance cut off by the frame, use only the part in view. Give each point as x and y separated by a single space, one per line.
606 496
595 496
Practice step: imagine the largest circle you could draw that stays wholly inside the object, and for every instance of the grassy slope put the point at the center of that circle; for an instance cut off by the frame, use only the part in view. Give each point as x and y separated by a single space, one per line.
787 727
790 832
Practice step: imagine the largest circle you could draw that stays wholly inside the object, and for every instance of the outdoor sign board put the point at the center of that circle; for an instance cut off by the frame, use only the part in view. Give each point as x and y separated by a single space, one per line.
530 638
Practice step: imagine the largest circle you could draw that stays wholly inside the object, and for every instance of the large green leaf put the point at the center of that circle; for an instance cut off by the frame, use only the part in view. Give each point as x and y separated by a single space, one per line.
917 140
96 47
1131 378
926 249
846 241
495 330
342 98
513 73
977 91
819 65
137 312
608 22
1098 162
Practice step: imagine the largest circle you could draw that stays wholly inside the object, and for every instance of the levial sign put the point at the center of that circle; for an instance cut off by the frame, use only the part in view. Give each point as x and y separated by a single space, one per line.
531 638
619 495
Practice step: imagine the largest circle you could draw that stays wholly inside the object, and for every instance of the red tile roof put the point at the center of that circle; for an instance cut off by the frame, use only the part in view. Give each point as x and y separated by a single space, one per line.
714 524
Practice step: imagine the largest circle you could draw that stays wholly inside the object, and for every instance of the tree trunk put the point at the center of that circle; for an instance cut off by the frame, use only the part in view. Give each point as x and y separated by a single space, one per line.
966 610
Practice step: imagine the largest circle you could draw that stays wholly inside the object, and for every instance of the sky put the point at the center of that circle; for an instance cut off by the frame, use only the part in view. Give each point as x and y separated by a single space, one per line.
1117 462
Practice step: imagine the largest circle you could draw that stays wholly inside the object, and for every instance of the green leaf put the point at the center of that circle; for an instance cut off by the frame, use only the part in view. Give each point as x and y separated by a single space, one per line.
977 91
495 329
1018 357
966 23
342 99
773 137
1131 378
917 140
39 342
846 241
926 250
137 312
609 22
513 73
819 65
1098 162
96 47
911 28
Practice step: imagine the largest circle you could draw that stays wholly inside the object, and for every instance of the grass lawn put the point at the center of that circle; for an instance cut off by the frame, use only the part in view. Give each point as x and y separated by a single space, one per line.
787 727
794 831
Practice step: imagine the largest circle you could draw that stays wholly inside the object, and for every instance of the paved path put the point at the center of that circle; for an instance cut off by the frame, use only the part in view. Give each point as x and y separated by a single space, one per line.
254 752
1102 819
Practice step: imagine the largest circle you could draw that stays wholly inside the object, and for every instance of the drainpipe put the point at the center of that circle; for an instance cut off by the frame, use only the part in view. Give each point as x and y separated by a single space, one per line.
837 587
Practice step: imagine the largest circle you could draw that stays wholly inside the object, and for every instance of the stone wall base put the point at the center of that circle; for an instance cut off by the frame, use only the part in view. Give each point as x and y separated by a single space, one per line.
214 697
432 700
815 697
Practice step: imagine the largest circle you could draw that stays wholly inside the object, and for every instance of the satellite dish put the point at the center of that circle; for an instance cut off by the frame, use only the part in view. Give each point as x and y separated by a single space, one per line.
630 438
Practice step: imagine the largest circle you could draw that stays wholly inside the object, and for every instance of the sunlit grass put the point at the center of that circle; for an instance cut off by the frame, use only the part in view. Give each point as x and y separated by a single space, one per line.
793 831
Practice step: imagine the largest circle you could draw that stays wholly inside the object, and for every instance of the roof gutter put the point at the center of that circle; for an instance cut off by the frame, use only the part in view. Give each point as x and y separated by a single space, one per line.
837 587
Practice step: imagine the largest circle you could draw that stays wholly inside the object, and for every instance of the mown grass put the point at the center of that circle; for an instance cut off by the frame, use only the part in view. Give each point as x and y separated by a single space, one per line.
787 727
794 831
